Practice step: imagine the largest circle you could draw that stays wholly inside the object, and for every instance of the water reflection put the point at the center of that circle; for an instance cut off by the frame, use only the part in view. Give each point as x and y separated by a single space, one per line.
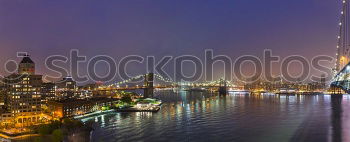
336 118
199 116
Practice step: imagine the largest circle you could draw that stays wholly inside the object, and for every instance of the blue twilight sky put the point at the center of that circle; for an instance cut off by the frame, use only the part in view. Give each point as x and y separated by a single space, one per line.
166 27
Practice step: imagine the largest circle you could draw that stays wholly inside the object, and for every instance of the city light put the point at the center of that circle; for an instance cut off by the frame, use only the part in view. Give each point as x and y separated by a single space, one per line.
174 71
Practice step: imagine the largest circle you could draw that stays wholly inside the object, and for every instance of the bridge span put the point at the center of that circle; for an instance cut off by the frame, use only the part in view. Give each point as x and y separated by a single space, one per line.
148 84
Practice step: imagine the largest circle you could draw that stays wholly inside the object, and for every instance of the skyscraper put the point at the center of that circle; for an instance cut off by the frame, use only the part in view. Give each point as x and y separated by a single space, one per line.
23 92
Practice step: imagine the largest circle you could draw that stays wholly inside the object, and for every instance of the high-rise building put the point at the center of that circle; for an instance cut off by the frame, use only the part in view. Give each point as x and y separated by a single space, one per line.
23 92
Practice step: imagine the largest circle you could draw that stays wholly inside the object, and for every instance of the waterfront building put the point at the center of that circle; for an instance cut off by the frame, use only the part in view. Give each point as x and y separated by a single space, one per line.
74 107
24 89
4 114
276 86
23 93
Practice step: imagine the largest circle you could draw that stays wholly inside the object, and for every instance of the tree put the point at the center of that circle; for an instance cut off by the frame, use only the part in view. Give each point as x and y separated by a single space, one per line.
126 99
44 129
71 124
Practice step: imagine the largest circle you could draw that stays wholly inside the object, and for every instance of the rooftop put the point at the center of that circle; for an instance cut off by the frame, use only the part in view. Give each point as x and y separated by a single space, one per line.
27 60
73 101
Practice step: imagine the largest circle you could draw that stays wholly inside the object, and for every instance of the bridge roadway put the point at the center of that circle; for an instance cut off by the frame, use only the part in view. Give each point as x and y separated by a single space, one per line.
148 84
107 88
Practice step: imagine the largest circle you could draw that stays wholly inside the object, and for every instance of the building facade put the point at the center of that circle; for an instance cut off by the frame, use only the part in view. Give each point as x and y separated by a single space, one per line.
23 90
75 107
48 91
23 94
66 88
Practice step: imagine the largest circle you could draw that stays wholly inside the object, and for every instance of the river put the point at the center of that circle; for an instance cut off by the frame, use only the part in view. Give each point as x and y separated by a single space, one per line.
200 116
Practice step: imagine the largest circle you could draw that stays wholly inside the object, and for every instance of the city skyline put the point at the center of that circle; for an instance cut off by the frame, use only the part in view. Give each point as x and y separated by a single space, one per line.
184 70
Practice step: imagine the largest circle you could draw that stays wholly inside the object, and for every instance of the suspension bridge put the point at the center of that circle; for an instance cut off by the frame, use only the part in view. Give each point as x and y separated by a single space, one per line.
150 81
340 83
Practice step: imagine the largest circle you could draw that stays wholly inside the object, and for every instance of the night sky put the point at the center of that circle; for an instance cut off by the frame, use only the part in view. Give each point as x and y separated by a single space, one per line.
162 27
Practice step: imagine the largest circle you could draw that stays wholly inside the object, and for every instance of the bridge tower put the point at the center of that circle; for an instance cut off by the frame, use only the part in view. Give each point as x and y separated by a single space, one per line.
342 68
343 44
222 87
148 83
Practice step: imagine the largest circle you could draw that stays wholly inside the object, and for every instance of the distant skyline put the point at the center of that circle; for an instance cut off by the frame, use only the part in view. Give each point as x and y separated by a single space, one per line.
159 28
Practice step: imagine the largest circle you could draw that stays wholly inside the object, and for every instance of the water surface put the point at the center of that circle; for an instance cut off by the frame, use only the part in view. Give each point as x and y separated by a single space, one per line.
200 116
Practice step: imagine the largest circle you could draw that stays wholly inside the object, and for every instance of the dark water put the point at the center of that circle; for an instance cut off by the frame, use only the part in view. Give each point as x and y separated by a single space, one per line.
234 117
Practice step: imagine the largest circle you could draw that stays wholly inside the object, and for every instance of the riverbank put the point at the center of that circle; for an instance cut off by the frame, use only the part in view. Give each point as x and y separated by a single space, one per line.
63 130
4 137
72 129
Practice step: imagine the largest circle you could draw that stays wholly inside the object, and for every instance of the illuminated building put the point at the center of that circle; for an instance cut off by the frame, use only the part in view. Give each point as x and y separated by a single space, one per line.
24 89
66 88
277 86
23 99
2 95
74 107
89 90
48 91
